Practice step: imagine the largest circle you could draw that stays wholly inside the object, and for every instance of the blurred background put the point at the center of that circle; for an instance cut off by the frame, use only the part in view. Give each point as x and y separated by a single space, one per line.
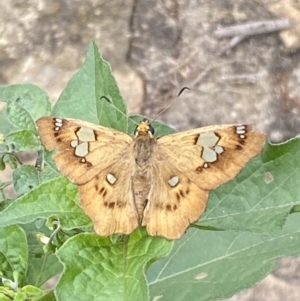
158 47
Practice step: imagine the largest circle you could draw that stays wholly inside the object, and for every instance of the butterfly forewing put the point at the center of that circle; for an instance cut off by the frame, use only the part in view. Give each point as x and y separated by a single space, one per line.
84 149
212 155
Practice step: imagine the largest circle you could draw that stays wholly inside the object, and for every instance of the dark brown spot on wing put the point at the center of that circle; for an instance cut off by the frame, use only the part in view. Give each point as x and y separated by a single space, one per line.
111 205
238 147
76 130
58 140
103 191
196 139
169 207
199 169
56 134
178 196
181 193
89 164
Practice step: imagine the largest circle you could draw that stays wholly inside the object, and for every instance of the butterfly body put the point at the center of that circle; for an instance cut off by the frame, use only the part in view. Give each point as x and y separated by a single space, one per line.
161 183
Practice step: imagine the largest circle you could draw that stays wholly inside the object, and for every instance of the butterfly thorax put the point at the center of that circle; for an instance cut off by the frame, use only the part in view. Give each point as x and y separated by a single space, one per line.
143 147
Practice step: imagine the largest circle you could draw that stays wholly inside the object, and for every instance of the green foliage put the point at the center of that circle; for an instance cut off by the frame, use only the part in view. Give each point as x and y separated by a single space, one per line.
249 222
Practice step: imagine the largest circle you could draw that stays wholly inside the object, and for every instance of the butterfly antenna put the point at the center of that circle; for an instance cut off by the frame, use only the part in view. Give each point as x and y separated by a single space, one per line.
108 100
168 106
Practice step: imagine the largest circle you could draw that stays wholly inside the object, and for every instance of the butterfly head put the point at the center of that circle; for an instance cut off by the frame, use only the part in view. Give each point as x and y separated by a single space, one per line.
144 128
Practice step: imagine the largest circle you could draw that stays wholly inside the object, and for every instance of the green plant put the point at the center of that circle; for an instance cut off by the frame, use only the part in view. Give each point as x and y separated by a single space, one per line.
249 222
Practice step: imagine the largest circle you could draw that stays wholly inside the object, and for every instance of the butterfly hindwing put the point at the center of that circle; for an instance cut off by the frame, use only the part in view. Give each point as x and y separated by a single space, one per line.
174 202
108 200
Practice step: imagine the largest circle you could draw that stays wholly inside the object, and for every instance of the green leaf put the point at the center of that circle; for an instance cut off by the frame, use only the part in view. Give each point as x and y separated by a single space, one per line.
2 164
20 296
23 140
97 269
13 252
32 98
4 184
49 296
208 265
5 126
26 177
57 197
42 269
20 117
260 198
31 290
4 297
93 81
41 266
12 161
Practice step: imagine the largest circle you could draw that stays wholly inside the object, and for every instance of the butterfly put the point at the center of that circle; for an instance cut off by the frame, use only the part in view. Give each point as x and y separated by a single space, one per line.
160 183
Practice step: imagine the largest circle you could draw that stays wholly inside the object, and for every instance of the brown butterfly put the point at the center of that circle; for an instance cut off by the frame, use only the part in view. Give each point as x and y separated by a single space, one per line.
162 183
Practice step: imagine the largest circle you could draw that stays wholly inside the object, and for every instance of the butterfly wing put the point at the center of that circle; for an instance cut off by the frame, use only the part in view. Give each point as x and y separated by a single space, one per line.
212 155
171 208
108 198
84 149
99 160
195 162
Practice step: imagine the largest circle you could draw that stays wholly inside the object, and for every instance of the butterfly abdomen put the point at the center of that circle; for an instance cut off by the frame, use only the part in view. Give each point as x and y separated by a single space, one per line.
141 181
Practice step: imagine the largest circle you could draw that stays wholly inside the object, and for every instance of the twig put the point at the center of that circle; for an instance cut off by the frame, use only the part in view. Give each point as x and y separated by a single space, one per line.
242 31
233 42
252 28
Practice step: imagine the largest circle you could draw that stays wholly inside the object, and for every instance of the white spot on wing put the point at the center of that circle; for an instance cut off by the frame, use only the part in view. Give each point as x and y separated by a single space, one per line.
74 143
82 149
207 139
173 181
209 155
219 149
86 134
58 123
111 179
240 130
